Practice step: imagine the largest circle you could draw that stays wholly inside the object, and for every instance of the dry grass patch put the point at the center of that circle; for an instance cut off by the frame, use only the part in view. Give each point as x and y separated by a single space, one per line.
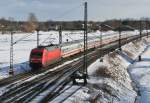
136 44
102 71
145 41
112 55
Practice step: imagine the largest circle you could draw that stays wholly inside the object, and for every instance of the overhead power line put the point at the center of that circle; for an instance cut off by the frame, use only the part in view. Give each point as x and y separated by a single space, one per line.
24 37
68 11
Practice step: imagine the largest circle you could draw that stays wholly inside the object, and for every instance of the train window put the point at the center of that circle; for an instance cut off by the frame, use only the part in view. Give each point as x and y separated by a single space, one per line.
37 54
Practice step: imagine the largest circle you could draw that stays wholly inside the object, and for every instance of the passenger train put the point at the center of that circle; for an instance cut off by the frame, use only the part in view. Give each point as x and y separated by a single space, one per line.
43 56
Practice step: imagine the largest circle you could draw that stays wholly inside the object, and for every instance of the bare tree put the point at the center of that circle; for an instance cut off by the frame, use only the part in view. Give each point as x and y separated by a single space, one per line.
32 23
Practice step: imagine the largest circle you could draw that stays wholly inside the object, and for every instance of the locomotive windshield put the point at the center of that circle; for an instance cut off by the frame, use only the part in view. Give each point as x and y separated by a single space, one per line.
36 54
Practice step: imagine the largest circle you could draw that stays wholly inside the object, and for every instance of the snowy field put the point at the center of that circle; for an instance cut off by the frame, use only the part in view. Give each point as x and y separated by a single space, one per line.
140 73
22 48
109 81
28 41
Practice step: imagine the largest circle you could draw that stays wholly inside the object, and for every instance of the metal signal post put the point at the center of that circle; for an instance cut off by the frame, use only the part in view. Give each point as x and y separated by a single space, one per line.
85 40
84 72
60 35
11 71
146 27
101 58
120 35
120 40
140 29
37 37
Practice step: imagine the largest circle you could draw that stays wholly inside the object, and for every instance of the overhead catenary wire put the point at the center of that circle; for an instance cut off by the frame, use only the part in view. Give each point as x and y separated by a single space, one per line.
24 37
68 11
45 40
80 43
69 37
64 14
59 16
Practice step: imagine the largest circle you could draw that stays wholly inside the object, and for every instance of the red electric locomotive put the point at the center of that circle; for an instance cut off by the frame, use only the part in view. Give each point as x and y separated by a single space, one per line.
43 56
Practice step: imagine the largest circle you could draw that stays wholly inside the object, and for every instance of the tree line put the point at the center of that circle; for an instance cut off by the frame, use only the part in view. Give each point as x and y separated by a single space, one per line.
33 24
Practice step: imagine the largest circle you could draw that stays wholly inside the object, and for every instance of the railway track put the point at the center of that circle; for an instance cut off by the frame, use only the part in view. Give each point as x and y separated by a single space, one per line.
70 91
26 87
92 57
51 83
27 75
24 76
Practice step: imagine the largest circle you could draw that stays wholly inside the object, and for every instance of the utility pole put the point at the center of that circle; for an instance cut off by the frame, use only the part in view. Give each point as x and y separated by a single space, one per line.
140 29
60 35
37 37
101 59
85 42
11 71
84 73
146 27
120 35
120 39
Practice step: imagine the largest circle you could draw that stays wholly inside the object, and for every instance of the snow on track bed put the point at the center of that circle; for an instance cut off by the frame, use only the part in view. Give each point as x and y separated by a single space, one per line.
118 88
23 48
27 89
24 67
69 92
29 86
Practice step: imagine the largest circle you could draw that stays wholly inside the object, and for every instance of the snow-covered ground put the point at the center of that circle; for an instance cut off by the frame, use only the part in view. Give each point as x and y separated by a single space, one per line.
28 41
23 47
140 73
110 82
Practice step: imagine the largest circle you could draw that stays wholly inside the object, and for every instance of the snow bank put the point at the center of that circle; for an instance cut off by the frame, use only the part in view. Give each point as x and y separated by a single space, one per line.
109 81
133 49
96 68
18 69
140 73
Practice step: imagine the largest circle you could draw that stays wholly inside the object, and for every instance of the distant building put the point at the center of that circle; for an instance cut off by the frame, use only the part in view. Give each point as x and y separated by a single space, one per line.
124 28
105 27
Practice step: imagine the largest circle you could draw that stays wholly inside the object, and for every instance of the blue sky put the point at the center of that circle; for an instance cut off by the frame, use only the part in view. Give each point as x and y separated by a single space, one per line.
60 9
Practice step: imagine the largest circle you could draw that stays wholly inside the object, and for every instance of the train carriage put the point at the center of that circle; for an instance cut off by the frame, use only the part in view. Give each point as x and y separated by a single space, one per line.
43 56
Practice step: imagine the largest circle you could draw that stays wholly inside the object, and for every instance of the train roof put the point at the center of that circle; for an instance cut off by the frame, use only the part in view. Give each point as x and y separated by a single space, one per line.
49 47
